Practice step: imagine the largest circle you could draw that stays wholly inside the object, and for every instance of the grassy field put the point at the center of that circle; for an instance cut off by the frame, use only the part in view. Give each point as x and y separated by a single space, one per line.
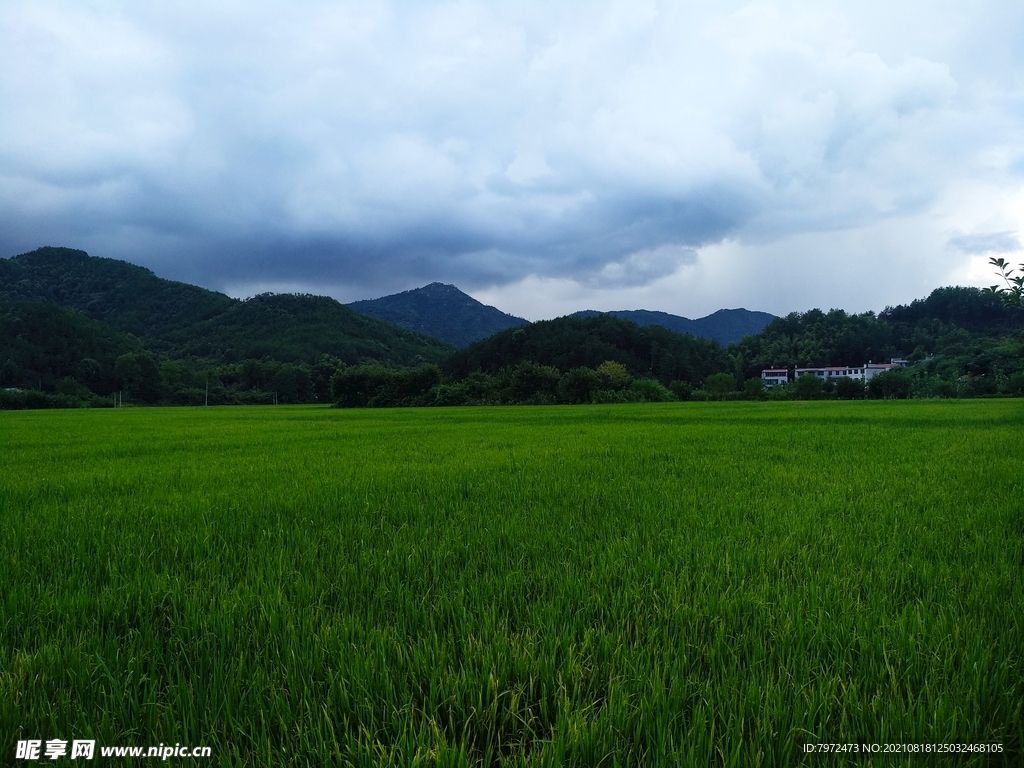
674 584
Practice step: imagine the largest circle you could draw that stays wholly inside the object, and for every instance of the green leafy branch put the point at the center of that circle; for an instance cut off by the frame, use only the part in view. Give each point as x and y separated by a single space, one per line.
1012 292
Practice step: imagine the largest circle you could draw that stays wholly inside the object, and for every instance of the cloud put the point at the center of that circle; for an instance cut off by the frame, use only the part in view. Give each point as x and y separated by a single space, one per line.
361 147
986 242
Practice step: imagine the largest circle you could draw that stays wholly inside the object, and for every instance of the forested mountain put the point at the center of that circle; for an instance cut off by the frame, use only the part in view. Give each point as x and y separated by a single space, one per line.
441 311
126 297
724 326
296 328
957 335
74 330
572 342
180 320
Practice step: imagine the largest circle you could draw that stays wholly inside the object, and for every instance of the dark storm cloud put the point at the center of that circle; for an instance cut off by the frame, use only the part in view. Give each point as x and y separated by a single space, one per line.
360 148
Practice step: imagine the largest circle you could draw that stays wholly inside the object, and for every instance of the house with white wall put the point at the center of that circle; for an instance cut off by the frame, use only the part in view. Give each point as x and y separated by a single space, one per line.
774 377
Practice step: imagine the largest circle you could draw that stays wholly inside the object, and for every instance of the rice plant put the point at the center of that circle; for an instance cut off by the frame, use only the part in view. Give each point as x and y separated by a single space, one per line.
658 584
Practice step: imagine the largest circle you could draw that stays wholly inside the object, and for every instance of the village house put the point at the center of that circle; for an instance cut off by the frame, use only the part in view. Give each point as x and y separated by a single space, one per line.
774 377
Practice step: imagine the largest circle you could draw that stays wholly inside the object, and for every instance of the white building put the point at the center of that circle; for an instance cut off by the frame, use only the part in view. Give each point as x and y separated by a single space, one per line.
873 369
779 376
831 373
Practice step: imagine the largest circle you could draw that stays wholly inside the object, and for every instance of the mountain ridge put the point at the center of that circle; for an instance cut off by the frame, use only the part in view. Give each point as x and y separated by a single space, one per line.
726 326
440 310
183 319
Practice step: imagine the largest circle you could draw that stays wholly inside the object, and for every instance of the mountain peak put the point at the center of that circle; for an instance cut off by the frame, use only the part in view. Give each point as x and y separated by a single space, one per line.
440 310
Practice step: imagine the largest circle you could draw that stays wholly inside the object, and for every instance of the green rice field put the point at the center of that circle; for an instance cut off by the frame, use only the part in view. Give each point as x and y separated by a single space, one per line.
664 584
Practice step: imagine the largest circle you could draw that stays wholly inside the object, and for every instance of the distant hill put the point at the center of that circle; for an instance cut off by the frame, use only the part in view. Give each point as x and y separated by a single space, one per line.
441 311
571 342
127 297
293 328
963 338
180 320
725 326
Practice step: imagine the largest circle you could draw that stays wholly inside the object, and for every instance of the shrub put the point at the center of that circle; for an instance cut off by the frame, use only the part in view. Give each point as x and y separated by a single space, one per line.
578 385
754 389
615 375
850 389
720 383
532 383
681 389
354 386
650 391
891 385
1015 384
807 387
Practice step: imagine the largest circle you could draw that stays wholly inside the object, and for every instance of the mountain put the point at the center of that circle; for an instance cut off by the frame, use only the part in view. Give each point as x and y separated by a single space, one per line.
573 342
293 328
724 326
180 320
128 298
441 311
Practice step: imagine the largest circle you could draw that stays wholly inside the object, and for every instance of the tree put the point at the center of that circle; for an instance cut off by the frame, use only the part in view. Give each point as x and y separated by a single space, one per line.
614 374
533 383
808 387
650 391
753 388
891 385
355 386
578 385
1012 292
139 376
850 389
719 384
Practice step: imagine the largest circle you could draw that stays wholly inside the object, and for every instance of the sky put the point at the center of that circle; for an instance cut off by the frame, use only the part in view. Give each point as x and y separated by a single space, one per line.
544 157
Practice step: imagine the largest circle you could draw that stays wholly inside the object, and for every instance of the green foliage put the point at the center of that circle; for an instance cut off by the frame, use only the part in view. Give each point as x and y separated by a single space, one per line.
719 384
532 384
814 339
849 389
128 298
41 344
891 385
578 385
300 328
139 376
180 321
754 388
808 387
681 389
1011 293
374 385
527 383
614 375
650 391
951 334
571 342
662 585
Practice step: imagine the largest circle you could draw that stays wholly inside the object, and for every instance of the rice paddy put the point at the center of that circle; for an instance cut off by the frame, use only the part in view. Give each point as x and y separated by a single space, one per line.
662 584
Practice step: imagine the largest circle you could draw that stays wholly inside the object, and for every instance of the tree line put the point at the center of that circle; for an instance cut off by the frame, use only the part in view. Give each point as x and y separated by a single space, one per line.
960 342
